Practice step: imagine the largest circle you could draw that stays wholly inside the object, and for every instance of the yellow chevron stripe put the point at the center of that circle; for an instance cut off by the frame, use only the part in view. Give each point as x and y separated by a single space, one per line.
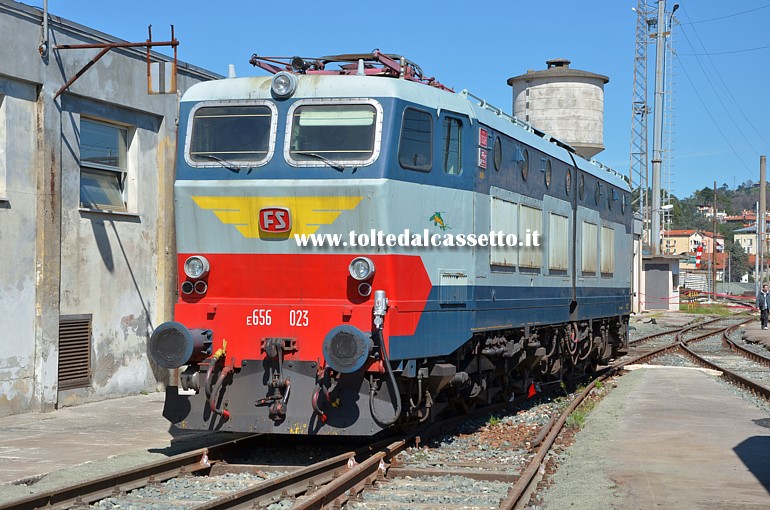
307 213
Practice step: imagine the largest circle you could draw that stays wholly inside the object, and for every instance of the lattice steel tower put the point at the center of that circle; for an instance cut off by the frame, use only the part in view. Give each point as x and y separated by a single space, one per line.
639 170
649 14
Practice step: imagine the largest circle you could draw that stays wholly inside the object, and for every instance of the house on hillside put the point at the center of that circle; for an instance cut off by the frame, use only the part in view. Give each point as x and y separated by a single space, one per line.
682 242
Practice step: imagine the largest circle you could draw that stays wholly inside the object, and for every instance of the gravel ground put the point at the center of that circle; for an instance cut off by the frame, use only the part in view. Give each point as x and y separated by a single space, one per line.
580 482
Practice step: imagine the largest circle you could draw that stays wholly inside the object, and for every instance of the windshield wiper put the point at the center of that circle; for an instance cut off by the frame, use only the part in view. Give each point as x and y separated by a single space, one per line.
222 162
332 164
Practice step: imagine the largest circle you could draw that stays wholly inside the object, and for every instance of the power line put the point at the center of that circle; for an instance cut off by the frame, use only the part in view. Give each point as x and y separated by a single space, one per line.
727 16
716 124
723 52
727 90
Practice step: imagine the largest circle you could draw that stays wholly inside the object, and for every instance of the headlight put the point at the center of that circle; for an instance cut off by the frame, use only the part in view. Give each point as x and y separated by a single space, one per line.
361 268
284 84
196 267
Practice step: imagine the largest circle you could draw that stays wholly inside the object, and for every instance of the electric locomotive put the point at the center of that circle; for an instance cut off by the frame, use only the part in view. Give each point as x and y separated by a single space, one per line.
360 247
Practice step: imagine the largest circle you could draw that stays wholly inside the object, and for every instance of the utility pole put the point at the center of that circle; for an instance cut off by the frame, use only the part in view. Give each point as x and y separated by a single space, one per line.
761 227
756 254
657 141
657 137
714 247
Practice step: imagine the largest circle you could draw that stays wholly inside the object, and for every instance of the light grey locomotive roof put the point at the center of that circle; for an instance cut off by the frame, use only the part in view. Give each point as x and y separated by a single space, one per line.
333 86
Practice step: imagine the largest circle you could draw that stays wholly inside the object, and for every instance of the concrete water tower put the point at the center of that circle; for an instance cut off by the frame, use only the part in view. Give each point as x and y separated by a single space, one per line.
565 103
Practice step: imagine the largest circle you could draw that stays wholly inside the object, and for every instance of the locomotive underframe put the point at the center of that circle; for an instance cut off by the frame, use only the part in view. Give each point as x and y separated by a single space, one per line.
271 395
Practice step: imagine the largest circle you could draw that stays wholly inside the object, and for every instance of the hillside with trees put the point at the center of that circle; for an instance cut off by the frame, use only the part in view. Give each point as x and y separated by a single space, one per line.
685 215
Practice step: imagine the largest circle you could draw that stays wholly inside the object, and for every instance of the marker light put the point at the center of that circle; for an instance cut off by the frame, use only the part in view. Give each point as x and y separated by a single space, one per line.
361 268
284 84
196 267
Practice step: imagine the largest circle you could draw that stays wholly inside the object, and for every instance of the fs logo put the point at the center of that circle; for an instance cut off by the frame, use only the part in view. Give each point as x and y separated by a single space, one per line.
274 219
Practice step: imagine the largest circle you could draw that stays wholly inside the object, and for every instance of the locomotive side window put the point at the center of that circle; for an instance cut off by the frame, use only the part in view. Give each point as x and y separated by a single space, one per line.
608 251
102 165
341 133
498 153
415 150
237 133
525 165
530 221
548 170
568 181
582 187
450 145
504 218
558 252
588 248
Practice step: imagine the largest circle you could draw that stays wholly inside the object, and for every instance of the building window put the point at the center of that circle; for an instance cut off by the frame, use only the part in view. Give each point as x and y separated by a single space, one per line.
103 150
416 147
451 143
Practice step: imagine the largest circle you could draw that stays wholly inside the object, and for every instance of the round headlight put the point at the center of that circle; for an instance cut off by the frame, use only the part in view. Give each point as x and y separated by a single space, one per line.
284 84
196 267
361 268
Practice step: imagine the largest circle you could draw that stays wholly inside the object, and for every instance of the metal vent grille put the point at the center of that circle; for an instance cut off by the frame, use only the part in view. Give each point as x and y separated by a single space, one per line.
74 351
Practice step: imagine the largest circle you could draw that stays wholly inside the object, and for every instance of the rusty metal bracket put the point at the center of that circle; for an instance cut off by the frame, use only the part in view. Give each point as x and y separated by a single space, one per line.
149 43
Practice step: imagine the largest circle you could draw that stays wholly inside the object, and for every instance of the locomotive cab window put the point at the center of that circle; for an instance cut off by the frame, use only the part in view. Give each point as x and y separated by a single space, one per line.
238 133
415 150
333 133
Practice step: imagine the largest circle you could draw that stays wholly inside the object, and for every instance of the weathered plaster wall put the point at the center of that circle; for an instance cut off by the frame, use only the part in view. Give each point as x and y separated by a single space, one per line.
17 244
57 259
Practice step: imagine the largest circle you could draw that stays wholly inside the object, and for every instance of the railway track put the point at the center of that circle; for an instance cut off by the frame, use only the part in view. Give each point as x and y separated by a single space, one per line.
491 461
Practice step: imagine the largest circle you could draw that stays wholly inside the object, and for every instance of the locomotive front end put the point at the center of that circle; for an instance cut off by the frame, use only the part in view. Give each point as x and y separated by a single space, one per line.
281 326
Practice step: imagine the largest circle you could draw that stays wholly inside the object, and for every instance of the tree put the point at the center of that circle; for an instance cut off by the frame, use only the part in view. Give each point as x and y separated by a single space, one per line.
739 261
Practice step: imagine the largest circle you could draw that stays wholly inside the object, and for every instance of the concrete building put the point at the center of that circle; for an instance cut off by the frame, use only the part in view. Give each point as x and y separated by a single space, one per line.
86 220
682 242
747 238
659 285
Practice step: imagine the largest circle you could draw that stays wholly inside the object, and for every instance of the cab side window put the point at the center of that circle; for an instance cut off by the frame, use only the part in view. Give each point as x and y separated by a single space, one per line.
451 143
415 149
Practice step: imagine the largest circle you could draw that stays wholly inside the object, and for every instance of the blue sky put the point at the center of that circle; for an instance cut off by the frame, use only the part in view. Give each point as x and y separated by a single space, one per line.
720 124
